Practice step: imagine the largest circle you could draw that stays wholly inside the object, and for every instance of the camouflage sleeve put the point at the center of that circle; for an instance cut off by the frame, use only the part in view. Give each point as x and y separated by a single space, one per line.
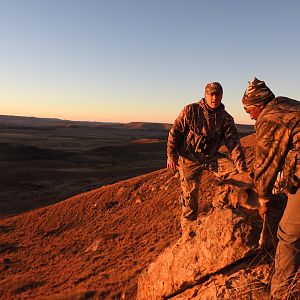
291 172
176 133
271 147
232 142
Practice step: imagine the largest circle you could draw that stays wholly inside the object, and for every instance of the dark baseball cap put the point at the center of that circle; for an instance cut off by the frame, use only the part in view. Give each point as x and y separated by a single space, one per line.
213 87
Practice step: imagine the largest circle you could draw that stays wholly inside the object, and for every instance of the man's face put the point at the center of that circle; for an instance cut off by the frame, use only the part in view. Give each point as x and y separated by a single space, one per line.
213 99
253 111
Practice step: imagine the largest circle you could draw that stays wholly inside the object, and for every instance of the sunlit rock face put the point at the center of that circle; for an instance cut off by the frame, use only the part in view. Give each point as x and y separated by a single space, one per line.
221 238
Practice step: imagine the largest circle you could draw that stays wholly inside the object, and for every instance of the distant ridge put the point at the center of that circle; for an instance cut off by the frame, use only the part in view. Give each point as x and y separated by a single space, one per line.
6 120
148 126
21 121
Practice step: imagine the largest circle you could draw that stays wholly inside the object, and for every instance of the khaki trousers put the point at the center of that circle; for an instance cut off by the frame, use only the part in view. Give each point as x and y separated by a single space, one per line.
190 173
287 257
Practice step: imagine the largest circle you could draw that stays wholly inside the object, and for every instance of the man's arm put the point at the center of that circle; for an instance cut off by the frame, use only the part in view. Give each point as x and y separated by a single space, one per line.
175 139
233 145
271 148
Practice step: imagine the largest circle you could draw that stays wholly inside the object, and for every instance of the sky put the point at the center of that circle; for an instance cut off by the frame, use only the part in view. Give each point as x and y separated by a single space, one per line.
142 60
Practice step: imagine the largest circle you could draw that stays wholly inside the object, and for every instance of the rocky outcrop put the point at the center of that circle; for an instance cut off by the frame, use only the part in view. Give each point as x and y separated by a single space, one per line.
248 283
221 238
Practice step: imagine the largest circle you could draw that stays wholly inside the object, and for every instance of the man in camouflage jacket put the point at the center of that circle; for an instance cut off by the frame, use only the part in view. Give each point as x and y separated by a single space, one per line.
194 140
277 156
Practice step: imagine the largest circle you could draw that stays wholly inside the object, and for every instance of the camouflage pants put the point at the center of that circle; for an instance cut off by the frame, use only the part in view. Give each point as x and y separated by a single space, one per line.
190 173
287 258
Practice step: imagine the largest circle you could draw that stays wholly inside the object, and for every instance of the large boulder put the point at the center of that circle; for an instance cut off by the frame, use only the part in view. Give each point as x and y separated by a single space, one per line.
221 238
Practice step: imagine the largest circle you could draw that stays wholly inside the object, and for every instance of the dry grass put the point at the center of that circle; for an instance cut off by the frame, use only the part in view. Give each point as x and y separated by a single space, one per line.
251 289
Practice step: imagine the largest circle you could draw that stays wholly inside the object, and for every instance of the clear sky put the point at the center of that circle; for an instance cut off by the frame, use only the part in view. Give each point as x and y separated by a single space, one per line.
142 60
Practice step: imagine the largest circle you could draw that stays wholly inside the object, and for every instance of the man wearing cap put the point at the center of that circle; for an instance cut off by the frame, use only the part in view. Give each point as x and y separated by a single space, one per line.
277 155
193 144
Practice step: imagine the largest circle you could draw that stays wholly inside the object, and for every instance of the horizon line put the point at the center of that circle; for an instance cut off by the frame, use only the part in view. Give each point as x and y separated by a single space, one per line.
103 122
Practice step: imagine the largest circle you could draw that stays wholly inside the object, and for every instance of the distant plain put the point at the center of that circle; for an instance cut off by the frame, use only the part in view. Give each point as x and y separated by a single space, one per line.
44 161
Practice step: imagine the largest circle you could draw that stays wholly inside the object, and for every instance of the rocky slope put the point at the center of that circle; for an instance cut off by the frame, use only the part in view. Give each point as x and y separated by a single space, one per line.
96 244
222 260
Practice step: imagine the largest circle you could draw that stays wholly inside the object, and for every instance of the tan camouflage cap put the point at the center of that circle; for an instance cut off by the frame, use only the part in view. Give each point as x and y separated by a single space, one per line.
213 87
257 93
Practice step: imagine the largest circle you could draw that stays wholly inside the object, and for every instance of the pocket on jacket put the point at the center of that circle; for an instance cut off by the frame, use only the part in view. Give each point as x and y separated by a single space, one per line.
196 142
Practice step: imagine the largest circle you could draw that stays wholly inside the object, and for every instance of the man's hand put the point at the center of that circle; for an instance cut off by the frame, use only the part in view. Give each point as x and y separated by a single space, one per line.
263 209
172 164
264 206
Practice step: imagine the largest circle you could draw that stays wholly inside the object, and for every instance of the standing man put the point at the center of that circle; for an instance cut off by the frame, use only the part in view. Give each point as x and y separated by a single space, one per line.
278 150
193 144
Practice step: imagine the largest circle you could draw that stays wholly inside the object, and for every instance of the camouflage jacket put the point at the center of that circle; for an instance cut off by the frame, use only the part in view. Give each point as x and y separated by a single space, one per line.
278 146
198 133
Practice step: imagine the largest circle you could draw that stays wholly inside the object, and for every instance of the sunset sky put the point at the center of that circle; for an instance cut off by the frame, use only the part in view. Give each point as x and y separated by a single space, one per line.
142 60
